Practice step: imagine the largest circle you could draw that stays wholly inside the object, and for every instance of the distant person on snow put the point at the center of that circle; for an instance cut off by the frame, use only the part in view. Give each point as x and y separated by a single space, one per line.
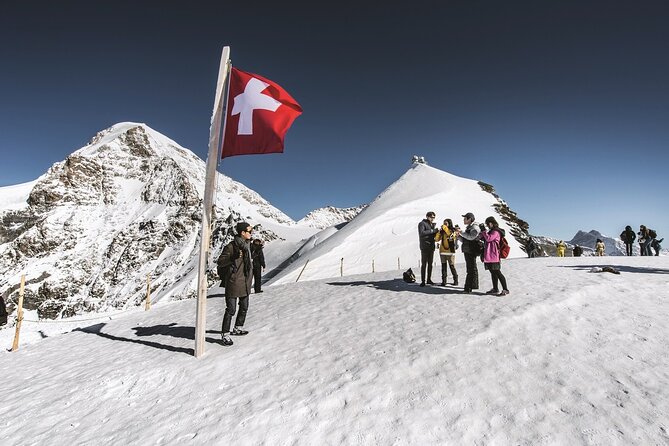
492 234
235 262
645 240
561 248
3 312
447 246
628 236
578 251
655 244
258 258
471 249
531 248
426 233
599 248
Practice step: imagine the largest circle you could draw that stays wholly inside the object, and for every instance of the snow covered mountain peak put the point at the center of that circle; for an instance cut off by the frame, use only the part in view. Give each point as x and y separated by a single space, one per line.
384 235
125 206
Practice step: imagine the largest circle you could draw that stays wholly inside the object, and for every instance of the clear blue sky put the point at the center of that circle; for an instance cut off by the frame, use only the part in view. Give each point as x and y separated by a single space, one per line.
563 106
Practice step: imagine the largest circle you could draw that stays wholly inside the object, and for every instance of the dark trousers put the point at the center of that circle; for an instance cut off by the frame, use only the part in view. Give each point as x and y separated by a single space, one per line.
444 272
628 249
497 276
257 273
472 279
426 259
230 305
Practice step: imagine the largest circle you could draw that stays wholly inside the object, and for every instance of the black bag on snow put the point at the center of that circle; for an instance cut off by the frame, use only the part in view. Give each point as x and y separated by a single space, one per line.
408 276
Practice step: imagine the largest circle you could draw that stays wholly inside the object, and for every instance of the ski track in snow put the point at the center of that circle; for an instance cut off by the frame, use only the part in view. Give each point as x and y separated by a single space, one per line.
569 357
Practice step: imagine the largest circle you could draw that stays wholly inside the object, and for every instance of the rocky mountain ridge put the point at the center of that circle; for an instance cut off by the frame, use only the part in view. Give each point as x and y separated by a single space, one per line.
325 217
125 206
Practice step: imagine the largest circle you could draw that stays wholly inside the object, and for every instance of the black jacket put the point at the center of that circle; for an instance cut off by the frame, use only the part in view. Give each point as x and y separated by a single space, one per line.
236 260
469 238
628 236
257 256
426 232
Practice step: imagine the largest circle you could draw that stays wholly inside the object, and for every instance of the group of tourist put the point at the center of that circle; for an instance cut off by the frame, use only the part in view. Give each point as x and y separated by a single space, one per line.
476 240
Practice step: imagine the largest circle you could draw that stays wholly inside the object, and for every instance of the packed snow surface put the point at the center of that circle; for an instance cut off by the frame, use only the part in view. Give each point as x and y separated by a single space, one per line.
569 357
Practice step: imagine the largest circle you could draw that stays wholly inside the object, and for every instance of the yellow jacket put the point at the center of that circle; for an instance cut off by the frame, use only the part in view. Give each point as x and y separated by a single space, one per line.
561 248
446 241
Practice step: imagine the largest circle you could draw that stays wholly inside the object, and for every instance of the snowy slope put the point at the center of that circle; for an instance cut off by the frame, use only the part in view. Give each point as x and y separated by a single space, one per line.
15 197
387 229
568 358
126 205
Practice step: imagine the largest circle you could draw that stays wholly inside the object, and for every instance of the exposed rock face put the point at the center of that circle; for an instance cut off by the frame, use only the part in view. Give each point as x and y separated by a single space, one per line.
330 216
123 207
614 247
518 228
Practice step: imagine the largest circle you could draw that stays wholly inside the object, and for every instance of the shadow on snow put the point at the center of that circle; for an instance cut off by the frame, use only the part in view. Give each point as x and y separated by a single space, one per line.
621 268
401 285
172 330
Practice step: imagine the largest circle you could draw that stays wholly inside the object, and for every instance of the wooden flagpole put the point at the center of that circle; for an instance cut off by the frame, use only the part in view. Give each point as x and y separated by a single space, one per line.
19 314
217 118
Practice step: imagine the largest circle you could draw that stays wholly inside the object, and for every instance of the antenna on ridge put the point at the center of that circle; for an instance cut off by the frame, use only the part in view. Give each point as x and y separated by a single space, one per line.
418 160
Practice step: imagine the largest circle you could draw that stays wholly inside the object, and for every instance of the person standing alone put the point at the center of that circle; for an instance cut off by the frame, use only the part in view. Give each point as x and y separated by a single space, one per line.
235 263
561 248
258 258
426 233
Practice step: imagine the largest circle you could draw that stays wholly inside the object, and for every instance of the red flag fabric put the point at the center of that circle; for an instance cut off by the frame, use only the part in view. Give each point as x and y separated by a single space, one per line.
260 113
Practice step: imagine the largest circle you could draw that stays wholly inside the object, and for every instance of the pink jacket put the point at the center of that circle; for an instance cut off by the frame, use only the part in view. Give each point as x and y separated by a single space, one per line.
491 251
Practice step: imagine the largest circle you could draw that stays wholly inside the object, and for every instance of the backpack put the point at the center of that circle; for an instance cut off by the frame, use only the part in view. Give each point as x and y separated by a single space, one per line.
652 233
408 276
504 248
477 247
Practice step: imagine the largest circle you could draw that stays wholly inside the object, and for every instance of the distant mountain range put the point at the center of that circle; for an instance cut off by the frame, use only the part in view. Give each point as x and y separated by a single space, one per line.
587 240
330 216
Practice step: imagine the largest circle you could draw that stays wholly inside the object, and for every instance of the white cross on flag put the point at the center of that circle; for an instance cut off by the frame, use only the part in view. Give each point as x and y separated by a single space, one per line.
260 115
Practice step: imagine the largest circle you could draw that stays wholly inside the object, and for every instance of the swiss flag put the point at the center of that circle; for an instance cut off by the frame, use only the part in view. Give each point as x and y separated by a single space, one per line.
259 114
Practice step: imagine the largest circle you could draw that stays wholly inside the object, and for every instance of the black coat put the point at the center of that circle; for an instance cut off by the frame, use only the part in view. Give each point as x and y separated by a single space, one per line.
257 256
628 236
426 232
469 238
239 278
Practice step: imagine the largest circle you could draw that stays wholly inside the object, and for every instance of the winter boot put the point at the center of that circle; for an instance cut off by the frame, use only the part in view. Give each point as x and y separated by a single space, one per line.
225 340
454 273
238 331
444 274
